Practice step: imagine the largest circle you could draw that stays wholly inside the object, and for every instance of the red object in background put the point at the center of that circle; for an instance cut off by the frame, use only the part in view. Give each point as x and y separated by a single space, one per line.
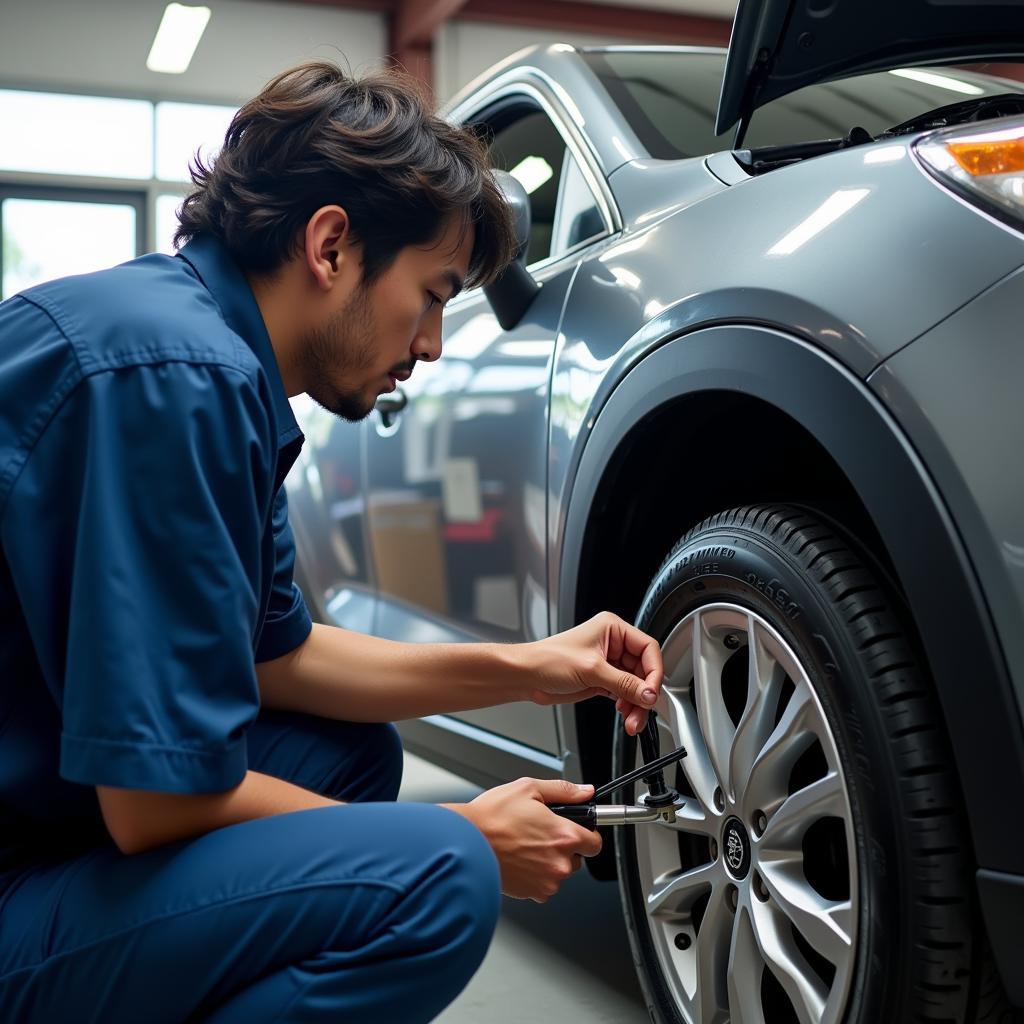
484 530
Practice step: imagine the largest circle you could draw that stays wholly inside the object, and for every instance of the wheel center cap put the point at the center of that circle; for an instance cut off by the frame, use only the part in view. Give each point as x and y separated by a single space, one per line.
736 848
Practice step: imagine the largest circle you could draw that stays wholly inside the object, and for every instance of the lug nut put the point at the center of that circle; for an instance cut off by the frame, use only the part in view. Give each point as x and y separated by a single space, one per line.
714 849
760 889
760 822
719 800
733 896
731 640
682 941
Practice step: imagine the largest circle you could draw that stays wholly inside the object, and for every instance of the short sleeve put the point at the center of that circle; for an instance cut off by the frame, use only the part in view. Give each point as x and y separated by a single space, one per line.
151 490
287 621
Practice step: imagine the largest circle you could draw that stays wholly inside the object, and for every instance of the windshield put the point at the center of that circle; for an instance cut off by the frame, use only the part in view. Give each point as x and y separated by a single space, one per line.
670 100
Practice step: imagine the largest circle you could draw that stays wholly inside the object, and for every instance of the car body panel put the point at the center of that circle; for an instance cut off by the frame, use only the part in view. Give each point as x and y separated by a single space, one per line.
956 392
779 46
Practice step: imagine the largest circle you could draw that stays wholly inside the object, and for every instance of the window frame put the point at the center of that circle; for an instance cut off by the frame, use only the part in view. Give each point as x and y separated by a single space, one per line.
149 188
527 89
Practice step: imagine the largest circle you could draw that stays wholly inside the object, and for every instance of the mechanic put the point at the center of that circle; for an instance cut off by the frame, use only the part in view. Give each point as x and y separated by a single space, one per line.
197 784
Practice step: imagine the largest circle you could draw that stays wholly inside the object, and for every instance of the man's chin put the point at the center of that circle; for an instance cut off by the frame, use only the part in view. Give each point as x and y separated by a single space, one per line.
351 407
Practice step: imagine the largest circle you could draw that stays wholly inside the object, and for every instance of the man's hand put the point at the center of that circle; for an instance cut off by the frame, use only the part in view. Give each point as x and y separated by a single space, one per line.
537 849
604 656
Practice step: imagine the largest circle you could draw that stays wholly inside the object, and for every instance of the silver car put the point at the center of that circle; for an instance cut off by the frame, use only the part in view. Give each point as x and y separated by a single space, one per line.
762 394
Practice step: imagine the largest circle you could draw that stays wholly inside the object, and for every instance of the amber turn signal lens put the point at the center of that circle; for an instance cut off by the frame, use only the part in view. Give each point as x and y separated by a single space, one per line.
989 157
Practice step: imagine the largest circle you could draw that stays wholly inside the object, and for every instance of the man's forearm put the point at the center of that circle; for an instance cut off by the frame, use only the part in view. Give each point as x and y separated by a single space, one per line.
340 674
139 820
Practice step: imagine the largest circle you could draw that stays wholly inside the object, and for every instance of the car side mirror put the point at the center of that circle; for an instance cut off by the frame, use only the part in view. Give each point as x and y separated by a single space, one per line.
512 294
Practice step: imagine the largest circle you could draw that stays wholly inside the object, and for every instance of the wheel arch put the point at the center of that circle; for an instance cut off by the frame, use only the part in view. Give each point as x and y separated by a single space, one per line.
865 475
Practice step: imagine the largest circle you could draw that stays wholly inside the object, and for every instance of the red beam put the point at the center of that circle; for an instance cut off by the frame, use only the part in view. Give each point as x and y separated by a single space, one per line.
631 22
416 21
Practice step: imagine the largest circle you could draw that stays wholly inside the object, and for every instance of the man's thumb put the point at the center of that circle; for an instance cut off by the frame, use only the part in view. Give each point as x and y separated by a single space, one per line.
562 791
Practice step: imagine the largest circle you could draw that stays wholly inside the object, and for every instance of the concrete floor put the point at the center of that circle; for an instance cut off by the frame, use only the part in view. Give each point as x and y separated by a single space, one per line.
564 961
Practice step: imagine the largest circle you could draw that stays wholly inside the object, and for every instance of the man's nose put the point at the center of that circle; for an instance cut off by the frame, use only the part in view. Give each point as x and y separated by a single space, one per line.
427 345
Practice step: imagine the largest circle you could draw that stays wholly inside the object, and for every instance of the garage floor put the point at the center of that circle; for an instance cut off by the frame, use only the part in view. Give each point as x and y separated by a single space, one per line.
565 961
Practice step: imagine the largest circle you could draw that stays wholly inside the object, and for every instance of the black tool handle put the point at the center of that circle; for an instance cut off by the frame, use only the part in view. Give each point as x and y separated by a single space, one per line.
582 814
639 773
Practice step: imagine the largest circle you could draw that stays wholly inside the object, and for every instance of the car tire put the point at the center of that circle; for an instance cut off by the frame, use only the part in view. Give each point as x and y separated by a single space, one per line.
827 769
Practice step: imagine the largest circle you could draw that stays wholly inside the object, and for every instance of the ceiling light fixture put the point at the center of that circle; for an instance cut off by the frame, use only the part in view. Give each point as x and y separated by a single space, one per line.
176 40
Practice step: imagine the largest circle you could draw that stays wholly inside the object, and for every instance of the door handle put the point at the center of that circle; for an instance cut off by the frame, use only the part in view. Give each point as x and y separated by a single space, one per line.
390 405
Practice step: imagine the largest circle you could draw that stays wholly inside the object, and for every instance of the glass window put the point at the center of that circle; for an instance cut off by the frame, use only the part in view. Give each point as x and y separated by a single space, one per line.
55 134
167 222
532 151
577 217
182 130
671 99
44 238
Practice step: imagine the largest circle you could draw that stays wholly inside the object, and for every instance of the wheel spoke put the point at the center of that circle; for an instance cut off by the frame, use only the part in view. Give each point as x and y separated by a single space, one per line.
681 720
825 924
821 799
676 893
764 681
777 946
712 958
691 817
769 775
745 968
715 724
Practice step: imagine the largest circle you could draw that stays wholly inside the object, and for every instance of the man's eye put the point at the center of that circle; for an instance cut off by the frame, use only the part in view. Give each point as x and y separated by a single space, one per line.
433 300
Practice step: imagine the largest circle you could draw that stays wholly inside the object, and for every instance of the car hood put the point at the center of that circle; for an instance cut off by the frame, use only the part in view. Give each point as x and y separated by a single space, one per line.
778 46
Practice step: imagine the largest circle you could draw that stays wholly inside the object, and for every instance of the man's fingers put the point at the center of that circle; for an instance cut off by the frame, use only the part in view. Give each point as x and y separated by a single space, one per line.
628 686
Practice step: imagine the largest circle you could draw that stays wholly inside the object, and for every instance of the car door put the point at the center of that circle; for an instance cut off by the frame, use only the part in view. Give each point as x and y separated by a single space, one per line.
327 513
457 476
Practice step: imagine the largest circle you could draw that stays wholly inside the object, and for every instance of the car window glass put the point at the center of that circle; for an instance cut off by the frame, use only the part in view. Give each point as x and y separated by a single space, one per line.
670 100
577 215
532 151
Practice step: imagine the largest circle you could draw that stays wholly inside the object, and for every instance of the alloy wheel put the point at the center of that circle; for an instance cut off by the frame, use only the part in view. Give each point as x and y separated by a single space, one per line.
751 895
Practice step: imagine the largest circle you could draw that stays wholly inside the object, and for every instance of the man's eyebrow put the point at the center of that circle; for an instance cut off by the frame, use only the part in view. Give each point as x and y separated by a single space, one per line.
455 282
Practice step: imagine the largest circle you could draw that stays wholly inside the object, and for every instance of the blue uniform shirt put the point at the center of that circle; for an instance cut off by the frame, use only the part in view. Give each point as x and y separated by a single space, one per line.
145 553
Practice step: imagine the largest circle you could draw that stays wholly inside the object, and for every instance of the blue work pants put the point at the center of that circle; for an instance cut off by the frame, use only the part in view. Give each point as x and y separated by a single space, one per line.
371 912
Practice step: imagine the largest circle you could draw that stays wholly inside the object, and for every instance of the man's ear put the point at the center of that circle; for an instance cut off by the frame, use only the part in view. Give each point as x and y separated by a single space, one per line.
331 255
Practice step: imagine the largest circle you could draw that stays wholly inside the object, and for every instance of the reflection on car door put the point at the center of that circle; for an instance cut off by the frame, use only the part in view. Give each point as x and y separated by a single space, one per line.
456 481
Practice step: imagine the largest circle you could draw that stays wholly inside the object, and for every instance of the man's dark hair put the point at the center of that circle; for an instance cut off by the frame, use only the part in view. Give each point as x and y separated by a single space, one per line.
315 137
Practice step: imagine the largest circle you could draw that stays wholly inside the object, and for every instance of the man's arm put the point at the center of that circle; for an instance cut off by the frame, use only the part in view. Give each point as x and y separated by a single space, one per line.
340 674
336 673
138 820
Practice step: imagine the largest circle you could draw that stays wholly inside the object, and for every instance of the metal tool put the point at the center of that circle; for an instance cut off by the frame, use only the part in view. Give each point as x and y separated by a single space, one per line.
660 803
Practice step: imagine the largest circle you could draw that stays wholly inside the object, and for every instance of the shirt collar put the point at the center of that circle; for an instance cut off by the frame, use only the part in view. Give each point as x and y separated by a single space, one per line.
225 281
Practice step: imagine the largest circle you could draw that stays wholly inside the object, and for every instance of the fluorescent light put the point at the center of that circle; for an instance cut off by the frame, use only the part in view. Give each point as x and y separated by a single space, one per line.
831 210
939 81
176 40
532 172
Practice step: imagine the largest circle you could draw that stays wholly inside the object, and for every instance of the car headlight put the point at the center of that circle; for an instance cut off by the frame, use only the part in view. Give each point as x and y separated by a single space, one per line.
983 163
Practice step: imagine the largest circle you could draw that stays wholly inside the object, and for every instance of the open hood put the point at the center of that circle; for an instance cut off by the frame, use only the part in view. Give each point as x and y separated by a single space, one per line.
778 46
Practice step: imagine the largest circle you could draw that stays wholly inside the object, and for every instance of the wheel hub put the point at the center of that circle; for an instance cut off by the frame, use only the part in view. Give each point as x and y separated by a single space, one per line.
736 848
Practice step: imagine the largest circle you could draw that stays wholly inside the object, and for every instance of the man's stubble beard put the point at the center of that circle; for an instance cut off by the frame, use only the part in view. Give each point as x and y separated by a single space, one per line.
339 353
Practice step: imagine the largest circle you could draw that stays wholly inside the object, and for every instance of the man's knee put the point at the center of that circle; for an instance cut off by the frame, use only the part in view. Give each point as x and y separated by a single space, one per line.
458 902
